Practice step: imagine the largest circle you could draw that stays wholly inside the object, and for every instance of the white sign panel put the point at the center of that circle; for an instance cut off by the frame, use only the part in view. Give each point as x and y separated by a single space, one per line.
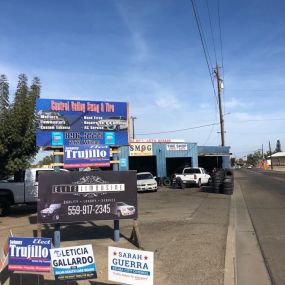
130 266
156 140
176 146
140 149
71 263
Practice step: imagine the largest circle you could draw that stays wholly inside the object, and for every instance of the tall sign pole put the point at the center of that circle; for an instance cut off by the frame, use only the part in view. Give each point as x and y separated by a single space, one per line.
133 125
219 81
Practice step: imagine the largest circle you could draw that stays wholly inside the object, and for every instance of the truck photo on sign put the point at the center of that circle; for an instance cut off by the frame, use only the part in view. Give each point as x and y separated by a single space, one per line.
76 122
29 254
73 263
66 197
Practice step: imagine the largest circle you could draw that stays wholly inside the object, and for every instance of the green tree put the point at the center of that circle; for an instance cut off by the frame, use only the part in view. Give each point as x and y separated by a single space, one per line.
19 143
47 160
4 96
4 111
278 146
253 158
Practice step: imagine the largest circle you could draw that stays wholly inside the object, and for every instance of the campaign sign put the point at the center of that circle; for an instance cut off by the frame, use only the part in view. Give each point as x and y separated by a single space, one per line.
29 254
79 196
73 263
85 155
130 266
75 122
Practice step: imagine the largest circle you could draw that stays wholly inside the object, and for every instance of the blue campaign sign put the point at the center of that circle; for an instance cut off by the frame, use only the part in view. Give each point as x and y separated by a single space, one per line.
29 254
86 155
76 122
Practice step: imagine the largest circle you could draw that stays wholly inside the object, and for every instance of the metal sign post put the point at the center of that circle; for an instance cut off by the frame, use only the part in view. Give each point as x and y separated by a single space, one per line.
56 233
116 222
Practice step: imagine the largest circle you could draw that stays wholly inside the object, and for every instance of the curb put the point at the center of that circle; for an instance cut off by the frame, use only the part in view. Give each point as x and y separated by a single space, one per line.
242 248
230 257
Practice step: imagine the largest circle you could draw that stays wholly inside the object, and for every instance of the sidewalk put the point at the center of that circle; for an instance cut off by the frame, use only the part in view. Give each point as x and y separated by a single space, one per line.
244 263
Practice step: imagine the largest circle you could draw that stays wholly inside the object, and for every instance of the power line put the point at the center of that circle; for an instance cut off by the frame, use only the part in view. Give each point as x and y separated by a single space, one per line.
204 47
208 125
211 28
220 29
179 130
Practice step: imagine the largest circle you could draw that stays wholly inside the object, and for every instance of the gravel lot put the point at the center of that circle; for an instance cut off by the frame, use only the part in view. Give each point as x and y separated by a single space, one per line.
186 229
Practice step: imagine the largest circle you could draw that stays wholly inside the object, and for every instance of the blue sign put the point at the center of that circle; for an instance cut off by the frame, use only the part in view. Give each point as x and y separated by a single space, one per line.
123 162
86 155
57 138
110 138
76 122
29 254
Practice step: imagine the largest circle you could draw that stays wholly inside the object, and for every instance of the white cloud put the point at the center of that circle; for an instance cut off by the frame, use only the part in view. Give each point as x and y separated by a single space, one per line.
167 101
233 103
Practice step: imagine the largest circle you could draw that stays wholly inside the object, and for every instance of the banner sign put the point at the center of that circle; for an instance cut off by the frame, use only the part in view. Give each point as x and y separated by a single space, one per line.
140 149
75 122
130 266
156 141
86 155
4 249
176 146
73 263
29 254
78 196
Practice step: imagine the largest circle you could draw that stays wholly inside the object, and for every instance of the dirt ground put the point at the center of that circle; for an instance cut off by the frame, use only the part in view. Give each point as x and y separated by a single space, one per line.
186 229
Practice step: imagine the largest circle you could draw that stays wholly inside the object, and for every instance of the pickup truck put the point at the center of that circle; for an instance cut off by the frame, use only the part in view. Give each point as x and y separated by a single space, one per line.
192 176
21 189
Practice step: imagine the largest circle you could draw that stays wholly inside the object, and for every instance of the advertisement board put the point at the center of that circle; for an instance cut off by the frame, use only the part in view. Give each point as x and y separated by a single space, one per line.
29 254
140 149
86 155
75 196
130 266
73 263
176 146
76 122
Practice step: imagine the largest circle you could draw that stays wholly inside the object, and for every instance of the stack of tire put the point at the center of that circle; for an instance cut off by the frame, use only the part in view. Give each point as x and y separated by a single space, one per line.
228 182
217 180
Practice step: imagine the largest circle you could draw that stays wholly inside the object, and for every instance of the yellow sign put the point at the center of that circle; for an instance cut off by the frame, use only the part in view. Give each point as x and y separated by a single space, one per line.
140 149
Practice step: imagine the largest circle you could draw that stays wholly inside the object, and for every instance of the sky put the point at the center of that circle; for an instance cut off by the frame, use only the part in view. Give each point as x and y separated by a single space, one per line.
149 53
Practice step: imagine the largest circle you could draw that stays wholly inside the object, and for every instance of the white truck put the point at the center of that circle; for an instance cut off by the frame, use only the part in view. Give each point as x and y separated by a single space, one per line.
192 176
21 189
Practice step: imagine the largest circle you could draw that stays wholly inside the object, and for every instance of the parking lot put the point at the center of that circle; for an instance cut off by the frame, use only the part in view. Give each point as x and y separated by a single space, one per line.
186 229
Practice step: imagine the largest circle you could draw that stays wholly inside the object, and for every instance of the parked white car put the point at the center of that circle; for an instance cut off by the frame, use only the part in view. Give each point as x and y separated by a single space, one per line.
123 209
146 182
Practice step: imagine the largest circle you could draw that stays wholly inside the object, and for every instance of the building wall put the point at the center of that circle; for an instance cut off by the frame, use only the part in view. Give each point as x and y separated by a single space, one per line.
159 150
223 151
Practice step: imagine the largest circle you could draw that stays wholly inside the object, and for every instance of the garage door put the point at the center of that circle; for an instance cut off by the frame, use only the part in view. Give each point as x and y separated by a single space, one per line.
143 164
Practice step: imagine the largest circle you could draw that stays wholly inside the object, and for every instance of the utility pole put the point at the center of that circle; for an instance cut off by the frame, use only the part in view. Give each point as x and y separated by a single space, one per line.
133 125
271 162
219 81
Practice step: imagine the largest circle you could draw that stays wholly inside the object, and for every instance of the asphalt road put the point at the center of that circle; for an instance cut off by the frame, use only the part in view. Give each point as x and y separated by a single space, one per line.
264 194
186 229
